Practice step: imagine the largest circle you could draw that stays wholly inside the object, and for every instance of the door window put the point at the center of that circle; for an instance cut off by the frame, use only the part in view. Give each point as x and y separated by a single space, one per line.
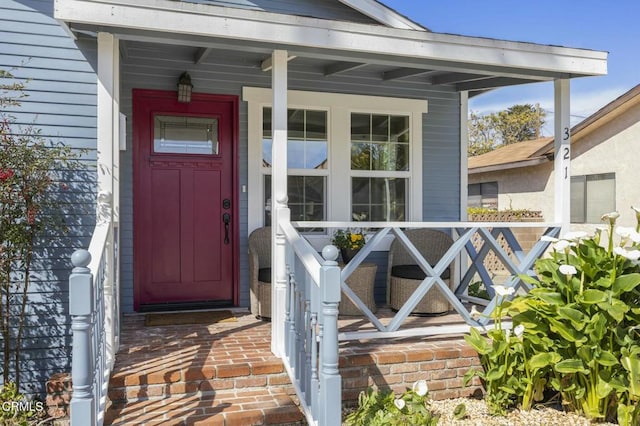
185 135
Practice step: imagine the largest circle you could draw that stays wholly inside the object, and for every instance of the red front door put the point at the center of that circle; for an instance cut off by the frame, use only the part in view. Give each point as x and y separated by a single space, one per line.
184 204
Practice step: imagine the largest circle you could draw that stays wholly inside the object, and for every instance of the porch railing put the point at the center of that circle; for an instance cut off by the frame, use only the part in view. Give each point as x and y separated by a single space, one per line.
311 328
473 241
93 305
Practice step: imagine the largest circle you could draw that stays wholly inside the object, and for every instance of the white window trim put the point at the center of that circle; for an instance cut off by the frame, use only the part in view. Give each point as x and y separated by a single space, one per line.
339 108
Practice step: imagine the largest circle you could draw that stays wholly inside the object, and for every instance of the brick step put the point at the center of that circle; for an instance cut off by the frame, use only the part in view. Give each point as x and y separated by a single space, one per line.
128 385
397 365
220 408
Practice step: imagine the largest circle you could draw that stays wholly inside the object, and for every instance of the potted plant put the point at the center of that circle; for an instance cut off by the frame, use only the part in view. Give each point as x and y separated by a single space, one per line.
349 242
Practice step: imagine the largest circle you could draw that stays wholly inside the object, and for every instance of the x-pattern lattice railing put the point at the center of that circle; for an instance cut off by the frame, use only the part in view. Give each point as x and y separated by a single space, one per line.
462 232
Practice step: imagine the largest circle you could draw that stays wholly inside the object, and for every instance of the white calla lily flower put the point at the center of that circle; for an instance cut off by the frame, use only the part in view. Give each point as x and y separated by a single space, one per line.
628 254
549 239
568 270
475 313
503 291
519 330
562 245
420 387
610 217
575 236
399 403
624 231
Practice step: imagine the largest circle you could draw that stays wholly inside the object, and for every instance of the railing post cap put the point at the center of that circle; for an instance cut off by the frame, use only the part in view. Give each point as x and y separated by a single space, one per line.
81 258
330 253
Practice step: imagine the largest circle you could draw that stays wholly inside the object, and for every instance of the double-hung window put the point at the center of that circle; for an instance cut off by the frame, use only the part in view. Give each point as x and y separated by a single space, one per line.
350 157
308 165
592 196
380 169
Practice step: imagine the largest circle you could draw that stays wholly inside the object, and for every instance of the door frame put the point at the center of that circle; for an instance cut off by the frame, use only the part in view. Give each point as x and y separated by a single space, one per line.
233 101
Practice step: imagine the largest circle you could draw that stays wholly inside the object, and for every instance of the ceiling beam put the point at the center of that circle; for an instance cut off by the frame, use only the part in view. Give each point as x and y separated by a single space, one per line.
456 77
491 83
201 55
403 73
340 67
267 64
124 50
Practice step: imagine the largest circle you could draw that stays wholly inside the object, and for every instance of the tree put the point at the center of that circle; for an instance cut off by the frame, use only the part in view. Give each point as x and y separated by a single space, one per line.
30 169
516 124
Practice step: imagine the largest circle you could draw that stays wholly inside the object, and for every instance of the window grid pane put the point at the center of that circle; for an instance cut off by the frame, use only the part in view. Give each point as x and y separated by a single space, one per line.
379 142
483 195
379 199
307 198
307 144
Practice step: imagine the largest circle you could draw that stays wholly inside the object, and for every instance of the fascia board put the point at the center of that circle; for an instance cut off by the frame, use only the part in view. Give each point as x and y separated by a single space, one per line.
382 14
507 166
211 21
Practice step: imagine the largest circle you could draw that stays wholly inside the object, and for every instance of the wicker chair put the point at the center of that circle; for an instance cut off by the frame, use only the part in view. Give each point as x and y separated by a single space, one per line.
260 272
404 275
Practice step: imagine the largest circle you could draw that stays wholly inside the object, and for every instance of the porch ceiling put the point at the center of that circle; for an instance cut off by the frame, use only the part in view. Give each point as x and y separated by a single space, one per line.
337 48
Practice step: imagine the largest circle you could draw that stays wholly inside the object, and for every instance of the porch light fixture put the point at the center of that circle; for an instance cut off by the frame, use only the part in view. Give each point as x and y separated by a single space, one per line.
184 88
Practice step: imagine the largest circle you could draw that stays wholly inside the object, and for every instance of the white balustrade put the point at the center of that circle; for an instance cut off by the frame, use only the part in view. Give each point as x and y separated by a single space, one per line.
93 305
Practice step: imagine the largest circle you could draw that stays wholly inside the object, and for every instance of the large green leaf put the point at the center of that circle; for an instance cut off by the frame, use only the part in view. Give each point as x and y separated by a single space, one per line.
607 359
585 353
603 388
571 365
496 373
630 360
566 331
597 327
625 283
543 359
550 297
478 342
575 316
616 308
592 296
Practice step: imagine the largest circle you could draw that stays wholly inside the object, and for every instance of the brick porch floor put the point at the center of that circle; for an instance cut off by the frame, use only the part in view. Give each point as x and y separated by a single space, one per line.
225 374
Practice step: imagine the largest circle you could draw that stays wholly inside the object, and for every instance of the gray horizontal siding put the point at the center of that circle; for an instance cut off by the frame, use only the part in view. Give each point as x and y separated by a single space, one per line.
61 103
150 66
322 9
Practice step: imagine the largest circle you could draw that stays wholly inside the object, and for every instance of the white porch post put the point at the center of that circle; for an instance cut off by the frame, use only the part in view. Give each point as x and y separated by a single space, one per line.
464 178
108 98
106 70
279 199
464 146
562 162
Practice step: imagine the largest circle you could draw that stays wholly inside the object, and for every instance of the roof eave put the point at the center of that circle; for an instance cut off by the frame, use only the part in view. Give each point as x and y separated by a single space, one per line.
317 35
513 165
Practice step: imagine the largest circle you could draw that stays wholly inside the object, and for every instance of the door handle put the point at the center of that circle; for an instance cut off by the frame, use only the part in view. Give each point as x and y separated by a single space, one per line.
226 218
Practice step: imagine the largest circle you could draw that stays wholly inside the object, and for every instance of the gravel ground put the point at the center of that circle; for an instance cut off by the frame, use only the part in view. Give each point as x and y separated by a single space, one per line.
477 415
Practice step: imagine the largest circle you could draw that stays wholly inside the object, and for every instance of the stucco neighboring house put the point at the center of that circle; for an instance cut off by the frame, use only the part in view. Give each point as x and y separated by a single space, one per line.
291 103
605 152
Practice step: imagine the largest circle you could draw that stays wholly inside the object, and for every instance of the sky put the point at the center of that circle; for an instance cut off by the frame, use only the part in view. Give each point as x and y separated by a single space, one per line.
610 26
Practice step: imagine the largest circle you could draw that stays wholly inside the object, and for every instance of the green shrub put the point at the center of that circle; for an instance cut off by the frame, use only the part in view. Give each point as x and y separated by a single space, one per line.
382 408
577 331
16 410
